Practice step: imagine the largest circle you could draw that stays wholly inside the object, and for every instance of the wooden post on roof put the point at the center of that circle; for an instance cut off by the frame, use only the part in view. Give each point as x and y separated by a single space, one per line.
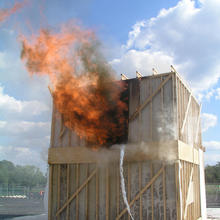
138 75
123 77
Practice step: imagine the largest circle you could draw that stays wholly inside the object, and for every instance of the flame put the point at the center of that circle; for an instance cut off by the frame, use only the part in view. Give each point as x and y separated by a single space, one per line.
85 91
5 13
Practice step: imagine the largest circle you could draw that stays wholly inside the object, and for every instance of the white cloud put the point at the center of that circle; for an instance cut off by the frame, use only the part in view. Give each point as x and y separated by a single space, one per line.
208 121
218 93
184 36
212 145
24 129
212 158
11 106
143 61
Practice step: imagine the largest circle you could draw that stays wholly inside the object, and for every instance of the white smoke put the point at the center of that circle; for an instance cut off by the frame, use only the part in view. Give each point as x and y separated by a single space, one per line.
122 152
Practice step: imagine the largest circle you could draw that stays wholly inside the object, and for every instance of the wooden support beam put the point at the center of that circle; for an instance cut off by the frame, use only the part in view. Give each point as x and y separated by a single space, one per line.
107 193
50 192
133 116
78 155
188 194
62 132
155 72
173 69
58 189
77 192
186 114
141 192
140 187
77 186
97 193
118 190
178 169
87 193
197 125
129 187
152 191
164 194
67 190
51 91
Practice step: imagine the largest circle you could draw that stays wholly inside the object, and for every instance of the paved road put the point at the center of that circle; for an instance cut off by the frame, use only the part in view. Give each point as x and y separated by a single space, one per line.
20 207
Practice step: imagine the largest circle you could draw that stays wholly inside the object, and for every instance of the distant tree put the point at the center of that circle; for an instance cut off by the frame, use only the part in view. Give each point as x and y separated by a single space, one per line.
7 170
28 175
212 173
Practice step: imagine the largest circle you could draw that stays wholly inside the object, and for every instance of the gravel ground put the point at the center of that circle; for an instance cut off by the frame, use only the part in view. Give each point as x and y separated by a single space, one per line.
37 217
213 213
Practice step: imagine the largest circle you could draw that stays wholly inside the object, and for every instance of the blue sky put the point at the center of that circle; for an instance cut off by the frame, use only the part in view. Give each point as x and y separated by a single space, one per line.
136 35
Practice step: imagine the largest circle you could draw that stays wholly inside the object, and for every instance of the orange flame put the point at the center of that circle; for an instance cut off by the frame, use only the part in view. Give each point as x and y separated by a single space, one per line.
4 13
84 88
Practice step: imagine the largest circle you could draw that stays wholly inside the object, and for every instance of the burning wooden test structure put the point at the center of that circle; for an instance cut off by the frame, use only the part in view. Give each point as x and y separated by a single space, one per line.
163 169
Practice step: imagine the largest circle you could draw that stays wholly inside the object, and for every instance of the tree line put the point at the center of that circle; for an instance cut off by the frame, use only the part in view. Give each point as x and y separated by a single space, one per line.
16 175
212 173
31 176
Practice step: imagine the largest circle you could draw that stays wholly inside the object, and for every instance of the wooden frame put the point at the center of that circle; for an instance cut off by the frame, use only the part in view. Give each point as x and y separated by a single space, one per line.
85 184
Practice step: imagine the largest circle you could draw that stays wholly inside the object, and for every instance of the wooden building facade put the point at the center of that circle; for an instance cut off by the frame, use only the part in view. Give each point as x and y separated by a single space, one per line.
163 168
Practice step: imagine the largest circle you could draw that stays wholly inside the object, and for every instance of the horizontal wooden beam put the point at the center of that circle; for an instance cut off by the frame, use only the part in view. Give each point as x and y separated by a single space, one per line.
163 150
188 153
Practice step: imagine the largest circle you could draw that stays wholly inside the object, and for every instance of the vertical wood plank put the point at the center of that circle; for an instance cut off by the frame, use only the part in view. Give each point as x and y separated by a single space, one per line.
54 201
176 106
107 194
179 108
129 187
161 96
77 186
52 127
58 190
178 191
50 197
152 190
164 192
97 193
118 189
67 191
61 131
151 120
69 137
140 187
87 193
92 196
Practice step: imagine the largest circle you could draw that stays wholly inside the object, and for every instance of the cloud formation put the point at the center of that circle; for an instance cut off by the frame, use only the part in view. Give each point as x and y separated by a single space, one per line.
217 93
28 129
182 36
11 106
212 145
208 121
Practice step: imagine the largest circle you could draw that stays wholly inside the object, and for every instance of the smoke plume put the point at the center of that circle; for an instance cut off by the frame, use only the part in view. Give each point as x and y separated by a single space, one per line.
84 87
5 13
